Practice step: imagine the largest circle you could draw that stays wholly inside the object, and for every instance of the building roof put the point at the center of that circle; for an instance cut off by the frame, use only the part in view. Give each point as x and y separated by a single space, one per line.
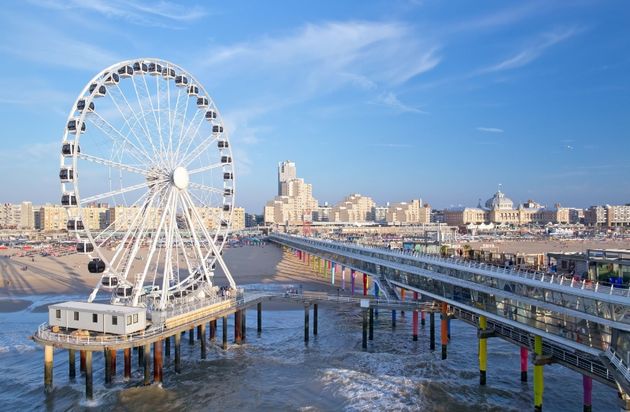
97 307
499 201
464 208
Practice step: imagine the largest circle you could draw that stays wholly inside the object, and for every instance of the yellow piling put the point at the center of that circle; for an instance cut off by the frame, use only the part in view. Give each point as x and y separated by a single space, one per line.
538 376
483 351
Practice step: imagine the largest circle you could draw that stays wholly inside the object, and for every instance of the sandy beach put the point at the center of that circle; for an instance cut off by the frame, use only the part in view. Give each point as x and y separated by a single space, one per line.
21 277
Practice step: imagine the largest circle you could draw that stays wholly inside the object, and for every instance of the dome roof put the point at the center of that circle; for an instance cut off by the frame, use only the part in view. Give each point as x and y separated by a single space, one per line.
499 201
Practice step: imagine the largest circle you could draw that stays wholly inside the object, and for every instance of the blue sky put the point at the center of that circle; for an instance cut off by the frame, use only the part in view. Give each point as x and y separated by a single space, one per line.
392 99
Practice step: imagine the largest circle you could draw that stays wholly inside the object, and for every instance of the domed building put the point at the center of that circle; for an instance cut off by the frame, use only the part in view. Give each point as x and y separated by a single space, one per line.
499 201
499 210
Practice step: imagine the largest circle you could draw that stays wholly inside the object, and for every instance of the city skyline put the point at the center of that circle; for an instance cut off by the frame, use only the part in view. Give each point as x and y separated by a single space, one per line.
412 102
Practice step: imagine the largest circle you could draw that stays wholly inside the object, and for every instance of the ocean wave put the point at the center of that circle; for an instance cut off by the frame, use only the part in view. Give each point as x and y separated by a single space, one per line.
363 391
19 348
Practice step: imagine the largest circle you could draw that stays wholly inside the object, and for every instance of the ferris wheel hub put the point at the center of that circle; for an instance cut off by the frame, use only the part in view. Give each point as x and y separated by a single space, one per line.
180 178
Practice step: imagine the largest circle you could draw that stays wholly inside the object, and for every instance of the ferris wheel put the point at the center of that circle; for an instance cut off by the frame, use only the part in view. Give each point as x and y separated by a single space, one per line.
147 178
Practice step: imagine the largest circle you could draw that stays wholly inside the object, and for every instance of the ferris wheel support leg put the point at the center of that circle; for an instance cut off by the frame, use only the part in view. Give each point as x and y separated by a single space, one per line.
189 219
216 252
138 286
224 267
93 294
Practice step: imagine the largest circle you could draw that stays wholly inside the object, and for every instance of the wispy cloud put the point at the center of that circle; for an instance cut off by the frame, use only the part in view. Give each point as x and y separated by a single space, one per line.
389 99
324 57
146 13
490 129
533 51
37 42
500 18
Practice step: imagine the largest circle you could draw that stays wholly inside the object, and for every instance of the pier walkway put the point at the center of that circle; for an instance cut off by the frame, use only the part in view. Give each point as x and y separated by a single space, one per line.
584 326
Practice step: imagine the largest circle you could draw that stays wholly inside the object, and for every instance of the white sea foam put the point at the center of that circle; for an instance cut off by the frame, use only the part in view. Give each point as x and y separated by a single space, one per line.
364 391
21 348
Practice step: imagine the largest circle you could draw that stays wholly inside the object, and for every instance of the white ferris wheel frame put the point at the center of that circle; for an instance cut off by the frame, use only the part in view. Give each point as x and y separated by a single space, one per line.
215 243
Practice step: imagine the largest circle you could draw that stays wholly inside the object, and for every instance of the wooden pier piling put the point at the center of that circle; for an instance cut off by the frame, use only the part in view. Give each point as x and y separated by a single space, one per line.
72 371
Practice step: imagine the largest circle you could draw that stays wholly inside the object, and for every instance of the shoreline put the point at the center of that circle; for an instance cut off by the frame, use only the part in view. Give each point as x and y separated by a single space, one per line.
47 277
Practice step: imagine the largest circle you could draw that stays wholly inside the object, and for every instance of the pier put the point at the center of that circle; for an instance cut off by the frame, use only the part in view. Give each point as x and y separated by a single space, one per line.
498 303
581 326
154 343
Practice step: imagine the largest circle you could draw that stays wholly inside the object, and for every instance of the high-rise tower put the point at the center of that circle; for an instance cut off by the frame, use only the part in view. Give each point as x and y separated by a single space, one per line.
286 172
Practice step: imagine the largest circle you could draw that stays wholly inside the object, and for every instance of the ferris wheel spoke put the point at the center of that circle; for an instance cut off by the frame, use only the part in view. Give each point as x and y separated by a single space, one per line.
172 118
113 193
192 269
154 243
142 231
151 110
116 136
130 232
127 117
219 219
181 250
206 190
181 127
144 115
197 248
191 138
124 217
157 266
110 230
110 163
205 168
216 252
167 273
163 113
199 150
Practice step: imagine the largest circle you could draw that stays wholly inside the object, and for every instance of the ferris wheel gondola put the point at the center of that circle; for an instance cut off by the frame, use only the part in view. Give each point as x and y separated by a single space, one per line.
155 200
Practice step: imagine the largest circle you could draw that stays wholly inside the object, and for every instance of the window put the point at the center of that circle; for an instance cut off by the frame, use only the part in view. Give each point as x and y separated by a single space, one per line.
58 313
76 315
135 318
114 320
94 317
128 320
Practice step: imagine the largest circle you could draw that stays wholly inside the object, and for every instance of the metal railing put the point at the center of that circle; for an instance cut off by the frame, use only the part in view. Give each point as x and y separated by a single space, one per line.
45 333
559 353
596 287
322 296
188 307
616 360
